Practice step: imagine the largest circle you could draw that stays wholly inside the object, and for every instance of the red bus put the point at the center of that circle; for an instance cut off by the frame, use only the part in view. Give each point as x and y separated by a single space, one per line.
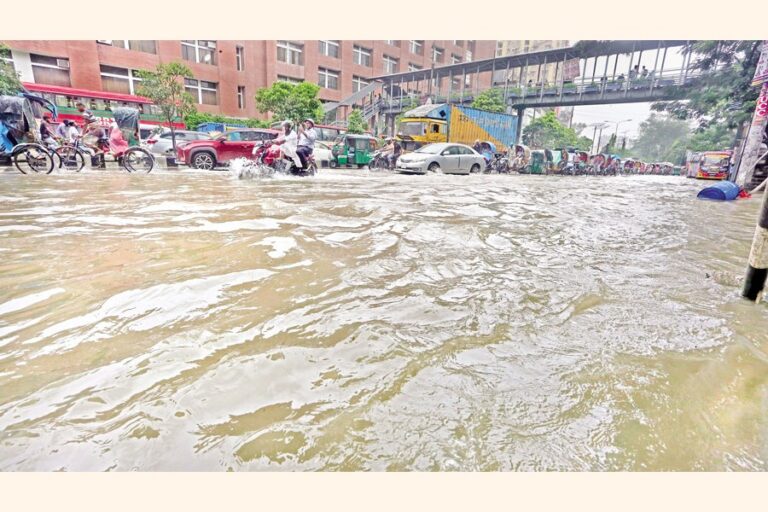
100 103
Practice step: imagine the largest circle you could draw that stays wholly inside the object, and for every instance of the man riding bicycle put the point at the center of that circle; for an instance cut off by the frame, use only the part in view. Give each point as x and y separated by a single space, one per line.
46 134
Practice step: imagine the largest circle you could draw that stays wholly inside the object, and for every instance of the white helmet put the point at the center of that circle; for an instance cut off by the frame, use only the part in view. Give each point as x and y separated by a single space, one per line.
310 120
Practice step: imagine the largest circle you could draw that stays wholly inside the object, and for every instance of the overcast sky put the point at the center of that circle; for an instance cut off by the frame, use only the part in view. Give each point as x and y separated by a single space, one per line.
637 112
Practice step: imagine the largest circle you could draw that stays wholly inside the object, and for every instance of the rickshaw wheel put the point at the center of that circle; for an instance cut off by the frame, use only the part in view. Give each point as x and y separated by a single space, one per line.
35 159
138 160
360 166
70 158
333 164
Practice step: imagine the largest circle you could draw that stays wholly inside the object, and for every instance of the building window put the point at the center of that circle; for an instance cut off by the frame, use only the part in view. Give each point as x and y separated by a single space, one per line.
329 48
437 54
240 57
205 93
413 67
392 42
459 43
455 59
361 56
124 81
469 56
241 97
390 64
328 78
499 48
358 83
50 70
137 46
416 47
290 53
202 52
289 79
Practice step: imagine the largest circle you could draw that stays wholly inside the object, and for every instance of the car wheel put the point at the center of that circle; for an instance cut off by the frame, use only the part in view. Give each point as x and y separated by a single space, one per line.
434 167
203 160
475 168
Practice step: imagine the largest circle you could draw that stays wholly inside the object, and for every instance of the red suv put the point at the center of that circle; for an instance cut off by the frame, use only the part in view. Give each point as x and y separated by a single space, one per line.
207 154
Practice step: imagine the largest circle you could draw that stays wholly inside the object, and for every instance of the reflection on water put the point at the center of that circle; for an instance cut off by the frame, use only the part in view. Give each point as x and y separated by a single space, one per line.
374 322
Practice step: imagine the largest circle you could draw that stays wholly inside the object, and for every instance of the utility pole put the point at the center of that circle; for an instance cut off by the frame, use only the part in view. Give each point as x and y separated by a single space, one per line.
600 137
757 269
594 135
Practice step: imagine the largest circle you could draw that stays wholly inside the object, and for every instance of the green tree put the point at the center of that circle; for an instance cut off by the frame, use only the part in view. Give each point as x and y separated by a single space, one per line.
548 132
715 137
722 93
661 138
293 102
355 123
490 100
9 79
165 87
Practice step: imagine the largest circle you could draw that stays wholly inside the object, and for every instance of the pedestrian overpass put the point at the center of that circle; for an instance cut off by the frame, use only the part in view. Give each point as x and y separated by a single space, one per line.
588 73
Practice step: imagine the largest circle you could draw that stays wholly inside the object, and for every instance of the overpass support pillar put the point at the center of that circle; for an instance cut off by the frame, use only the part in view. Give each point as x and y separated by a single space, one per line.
519 127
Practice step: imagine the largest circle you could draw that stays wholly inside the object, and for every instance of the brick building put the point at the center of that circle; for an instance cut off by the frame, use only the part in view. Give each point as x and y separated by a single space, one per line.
227 74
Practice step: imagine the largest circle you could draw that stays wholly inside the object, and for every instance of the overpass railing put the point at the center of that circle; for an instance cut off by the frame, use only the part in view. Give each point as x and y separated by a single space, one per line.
590 87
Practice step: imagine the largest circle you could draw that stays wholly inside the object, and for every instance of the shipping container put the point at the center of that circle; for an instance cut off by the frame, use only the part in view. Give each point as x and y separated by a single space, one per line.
466 125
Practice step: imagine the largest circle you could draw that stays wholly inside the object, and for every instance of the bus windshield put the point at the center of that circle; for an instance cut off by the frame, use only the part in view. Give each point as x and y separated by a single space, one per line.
715 161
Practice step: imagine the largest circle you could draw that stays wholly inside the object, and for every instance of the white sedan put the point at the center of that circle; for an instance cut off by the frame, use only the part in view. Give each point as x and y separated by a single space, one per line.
442 157
322 154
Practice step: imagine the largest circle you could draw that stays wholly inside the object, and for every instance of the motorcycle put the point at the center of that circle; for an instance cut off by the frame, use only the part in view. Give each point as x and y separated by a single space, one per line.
269 156
380 161
500 164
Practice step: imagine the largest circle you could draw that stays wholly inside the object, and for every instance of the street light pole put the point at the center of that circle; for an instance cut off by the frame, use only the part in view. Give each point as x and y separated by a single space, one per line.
617 126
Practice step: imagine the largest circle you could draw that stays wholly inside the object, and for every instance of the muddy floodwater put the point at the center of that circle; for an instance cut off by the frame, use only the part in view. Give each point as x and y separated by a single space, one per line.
363 321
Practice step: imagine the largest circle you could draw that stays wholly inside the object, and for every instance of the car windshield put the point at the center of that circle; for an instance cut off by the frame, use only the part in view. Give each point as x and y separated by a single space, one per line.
431 149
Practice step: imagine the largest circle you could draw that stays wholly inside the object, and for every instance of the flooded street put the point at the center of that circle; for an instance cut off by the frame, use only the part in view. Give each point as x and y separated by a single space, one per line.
355 321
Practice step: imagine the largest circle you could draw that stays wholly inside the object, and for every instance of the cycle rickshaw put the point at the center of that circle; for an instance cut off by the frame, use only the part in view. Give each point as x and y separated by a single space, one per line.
20 139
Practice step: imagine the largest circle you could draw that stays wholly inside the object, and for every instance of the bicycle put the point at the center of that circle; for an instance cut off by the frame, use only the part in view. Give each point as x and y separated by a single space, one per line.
72 155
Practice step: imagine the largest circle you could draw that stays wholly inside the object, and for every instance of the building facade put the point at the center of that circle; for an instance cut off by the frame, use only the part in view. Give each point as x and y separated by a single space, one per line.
227 74
548 74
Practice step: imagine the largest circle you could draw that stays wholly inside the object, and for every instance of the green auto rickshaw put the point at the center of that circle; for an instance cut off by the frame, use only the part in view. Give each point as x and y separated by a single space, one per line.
538 163
350 149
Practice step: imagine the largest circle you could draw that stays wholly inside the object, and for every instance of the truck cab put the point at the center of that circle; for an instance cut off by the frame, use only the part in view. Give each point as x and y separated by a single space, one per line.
424 129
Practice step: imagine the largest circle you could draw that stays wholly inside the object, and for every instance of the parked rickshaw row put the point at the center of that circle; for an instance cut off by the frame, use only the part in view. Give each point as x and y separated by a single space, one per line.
569 161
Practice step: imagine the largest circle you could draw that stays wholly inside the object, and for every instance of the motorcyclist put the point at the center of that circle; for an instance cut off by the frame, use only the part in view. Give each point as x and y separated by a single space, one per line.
307 138
391 151
287 141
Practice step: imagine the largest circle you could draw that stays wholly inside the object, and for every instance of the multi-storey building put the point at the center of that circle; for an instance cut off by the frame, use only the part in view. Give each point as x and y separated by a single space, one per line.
227 74
549 73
